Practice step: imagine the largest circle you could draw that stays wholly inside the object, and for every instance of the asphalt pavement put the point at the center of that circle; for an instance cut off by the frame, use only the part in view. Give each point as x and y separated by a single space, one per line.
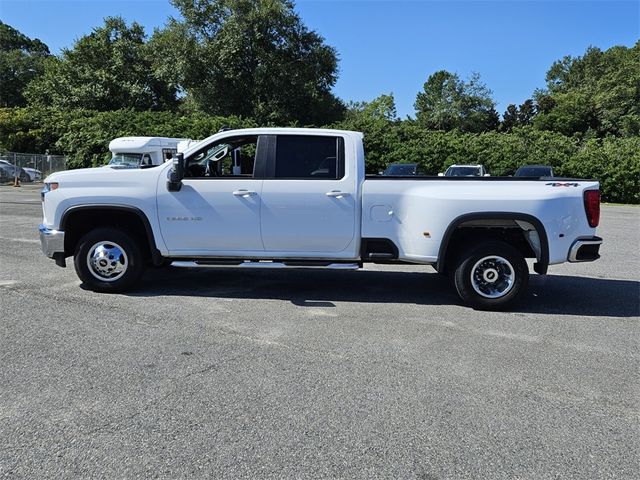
377 373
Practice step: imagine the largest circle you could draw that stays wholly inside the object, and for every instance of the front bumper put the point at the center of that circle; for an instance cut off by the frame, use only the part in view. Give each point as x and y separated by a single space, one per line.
586 249
52 242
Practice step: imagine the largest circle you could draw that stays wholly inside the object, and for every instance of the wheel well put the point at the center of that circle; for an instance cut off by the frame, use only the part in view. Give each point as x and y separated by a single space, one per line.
76 223
526 235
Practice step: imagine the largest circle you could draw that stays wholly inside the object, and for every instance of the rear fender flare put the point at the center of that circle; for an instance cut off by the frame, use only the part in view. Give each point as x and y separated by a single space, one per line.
540 266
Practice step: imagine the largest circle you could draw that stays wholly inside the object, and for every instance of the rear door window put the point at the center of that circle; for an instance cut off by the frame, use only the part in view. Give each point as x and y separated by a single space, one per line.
309 157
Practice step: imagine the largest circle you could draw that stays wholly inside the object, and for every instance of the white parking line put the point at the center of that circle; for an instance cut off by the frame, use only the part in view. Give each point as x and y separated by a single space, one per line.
24 240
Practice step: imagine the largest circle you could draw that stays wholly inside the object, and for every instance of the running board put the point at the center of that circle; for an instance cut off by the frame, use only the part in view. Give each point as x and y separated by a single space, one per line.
264 264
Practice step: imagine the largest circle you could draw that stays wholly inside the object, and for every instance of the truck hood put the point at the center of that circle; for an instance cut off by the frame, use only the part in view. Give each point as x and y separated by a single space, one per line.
102 175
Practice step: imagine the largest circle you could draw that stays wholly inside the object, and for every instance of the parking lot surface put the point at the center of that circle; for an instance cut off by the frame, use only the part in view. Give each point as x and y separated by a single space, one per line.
378 373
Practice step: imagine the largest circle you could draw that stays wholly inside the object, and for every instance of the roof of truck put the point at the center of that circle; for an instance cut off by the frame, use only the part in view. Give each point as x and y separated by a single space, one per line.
273 131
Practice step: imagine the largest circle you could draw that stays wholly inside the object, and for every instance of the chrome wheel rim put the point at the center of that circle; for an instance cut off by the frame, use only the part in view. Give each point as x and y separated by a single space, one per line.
107 261
492 276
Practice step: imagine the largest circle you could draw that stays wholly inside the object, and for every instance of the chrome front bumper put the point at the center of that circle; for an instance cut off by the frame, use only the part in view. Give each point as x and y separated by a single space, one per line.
585 250
52 241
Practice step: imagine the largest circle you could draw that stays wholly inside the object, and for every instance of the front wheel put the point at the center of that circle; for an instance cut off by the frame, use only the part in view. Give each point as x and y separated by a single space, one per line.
492 276
108 260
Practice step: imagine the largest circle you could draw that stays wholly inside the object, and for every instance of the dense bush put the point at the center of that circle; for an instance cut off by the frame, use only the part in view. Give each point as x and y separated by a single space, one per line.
501 153
83 136
613 161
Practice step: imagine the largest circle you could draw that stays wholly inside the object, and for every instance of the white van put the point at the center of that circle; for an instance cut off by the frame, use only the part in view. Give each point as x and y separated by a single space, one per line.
144 152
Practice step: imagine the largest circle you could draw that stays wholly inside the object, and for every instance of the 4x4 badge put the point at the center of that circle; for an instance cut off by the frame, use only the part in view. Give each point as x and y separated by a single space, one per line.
562 184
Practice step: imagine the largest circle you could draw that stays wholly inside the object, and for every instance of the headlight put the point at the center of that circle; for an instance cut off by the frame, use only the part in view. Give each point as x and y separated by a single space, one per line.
48 187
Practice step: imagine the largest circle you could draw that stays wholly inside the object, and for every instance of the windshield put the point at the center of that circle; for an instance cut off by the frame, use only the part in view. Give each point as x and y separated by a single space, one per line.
463 172
401 169
126 160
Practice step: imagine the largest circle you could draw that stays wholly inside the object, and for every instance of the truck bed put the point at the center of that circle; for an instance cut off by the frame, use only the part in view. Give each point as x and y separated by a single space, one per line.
476 179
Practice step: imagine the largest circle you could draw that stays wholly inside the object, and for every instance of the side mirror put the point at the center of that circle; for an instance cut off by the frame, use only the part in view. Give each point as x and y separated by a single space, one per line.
176 174
441 174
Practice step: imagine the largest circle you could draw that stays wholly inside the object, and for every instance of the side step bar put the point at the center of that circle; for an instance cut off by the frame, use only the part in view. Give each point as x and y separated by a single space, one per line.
264 264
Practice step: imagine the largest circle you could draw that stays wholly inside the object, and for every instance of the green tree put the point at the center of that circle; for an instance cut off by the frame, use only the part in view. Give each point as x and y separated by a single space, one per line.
380 108
526 112
447 103
544 103
378 120
21 60
598 92
572 113
518 116
510 118
437 106
110 68
253 58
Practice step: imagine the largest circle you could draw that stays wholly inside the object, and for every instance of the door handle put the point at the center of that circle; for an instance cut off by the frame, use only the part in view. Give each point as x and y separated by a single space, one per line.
244 193
336 194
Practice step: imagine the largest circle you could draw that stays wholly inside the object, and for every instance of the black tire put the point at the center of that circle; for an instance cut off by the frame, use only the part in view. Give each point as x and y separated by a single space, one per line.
112 242
500 271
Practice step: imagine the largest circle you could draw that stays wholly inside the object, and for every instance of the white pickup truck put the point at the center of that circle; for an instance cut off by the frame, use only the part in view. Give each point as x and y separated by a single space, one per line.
289 197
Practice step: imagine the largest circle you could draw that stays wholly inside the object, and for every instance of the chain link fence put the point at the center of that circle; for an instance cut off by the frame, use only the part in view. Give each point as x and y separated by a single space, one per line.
29 167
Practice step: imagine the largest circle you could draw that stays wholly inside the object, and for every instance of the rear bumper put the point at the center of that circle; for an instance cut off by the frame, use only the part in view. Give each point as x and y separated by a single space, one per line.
52 241
586 249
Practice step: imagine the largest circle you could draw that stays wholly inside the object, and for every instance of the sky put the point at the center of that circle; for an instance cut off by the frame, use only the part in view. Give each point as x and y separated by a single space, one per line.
393 46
